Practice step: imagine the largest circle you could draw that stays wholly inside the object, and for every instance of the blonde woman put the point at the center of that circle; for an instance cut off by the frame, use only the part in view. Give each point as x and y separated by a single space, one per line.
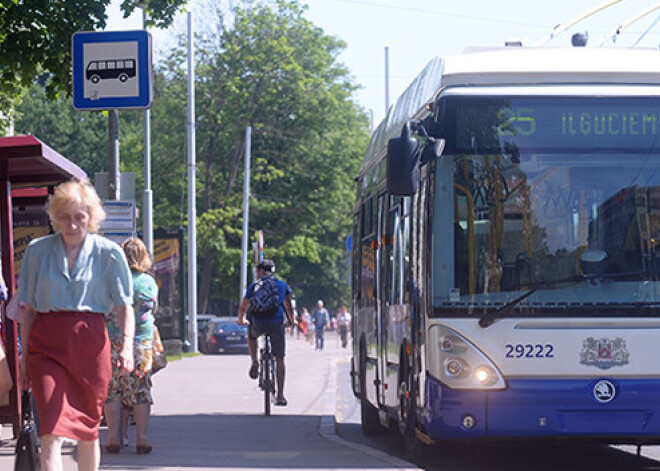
134 390
68 281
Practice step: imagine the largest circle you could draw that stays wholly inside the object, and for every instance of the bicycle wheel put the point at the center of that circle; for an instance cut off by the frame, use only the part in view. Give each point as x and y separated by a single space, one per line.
268 382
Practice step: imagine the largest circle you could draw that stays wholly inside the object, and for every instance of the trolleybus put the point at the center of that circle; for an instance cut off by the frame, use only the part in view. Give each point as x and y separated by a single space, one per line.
506 254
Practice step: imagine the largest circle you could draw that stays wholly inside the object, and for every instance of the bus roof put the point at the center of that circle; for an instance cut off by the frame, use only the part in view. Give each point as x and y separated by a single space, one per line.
579 65
514 66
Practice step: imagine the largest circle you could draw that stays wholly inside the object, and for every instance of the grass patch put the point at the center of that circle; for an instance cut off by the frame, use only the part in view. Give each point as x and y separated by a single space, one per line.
182 355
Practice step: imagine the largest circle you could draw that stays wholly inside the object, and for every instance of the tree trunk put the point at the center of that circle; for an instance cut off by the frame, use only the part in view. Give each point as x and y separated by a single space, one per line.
209 256
235 164
205 281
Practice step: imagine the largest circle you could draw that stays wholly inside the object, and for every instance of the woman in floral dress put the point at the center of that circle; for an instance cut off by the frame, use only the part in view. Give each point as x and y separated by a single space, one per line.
134 390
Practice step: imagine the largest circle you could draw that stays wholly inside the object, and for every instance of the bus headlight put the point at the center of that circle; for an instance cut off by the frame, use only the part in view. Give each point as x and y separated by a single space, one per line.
459 364
485 375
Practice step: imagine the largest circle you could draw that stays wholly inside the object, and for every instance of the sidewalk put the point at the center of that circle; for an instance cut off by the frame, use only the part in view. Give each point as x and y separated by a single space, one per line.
208 414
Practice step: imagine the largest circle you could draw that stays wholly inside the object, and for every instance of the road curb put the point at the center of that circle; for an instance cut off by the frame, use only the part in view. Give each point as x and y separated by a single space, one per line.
328 427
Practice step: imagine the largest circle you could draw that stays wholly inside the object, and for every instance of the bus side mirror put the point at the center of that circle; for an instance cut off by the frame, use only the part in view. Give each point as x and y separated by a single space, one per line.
402 159
432 150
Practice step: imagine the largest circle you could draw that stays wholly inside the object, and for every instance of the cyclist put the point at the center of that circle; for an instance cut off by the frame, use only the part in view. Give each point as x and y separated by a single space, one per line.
273 325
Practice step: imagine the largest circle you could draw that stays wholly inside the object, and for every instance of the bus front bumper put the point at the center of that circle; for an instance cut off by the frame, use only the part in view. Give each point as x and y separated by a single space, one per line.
535 408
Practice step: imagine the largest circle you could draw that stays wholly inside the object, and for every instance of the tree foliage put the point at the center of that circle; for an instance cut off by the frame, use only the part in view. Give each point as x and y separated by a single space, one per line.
35 39
81 137
270 68
266 67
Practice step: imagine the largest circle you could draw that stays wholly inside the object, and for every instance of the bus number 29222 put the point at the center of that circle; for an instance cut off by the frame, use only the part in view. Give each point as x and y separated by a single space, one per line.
529 351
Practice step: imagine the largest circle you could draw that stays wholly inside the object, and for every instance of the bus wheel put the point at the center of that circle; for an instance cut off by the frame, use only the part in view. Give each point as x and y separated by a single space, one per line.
414 448
95 79
123 77
368 413
404 407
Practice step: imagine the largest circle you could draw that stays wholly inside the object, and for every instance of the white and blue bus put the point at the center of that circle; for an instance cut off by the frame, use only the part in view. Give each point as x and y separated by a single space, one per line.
506 254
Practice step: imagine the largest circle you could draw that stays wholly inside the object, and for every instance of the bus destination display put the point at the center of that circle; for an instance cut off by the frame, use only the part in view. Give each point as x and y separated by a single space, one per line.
555 125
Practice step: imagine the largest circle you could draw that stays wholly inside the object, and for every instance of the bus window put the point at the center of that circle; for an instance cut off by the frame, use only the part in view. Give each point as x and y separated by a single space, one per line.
355 249
396 265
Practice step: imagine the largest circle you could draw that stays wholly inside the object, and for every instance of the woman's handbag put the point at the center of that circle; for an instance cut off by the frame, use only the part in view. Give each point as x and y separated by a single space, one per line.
158 357
27 452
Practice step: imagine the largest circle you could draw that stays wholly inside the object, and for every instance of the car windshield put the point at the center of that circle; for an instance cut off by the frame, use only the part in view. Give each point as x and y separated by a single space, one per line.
558 222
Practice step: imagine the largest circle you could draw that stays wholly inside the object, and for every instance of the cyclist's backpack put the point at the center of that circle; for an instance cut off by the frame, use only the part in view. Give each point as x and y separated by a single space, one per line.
265 299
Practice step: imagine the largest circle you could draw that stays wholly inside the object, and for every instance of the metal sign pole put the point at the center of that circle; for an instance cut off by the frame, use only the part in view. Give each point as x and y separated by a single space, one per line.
113 155
147 198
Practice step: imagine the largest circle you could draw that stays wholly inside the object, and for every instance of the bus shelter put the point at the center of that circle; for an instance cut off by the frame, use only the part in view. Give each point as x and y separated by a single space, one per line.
25 163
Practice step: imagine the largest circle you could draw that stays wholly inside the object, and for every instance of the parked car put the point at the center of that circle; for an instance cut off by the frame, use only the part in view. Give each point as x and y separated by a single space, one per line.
225 335
202 322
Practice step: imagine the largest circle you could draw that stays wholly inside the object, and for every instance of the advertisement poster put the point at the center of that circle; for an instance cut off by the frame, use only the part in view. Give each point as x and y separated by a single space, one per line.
169 276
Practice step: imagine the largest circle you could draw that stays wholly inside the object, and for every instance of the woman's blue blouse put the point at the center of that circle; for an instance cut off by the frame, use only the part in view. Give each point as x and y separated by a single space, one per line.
99 280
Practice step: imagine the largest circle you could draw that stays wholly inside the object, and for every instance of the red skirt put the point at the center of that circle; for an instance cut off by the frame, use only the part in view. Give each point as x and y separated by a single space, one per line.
70 370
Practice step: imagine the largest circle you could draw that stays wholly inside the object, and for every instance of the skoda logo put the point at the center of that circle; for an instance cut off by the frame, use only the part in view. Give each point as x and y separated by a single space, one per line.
604 391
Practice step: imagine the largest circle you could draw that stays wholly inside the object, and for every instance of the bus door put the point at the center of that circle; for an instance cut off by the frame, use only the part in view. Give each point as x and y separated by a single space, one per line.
381 317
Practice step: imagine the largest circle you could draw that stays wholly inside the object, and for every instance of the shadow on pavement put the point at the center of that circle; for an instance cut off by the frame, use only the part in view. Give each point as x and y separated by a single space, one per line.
519 456
238 441
508 455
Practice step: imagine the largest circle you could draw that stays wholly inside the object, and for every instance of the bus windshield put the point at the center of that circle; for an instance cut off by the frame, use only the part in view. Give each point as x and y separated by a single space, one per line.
555 207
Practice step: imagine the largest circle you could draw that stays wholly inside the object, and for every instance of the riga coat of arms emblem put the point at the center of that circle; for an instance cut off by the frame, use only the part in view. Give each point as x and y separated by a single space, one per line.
604 353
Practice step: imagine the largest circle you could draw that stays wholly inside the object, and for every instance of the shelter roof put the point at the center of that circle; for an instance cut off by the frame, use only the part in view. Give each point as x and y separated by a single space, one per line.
26 161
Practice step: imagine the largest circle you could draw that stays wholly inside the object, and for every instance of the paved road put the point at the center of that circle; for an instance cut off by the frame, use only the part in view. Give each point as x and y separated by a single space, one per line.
208 415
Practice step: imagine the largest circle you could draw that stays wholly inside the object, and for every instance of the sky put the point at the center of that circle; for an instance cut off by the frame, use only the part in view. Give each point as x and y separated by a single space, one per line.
415 31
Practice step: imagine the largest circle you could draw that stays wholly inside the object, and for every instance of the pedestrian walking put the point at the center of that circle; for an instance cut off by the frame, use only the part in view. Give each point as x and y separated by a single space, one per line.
321 320
342 326
68 281
309 326
133 391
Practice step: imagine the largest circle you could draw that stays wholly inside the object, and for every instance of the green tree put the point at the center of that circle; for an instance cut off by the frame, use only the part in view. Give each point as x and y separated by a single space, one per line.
271 69
35 38
81 137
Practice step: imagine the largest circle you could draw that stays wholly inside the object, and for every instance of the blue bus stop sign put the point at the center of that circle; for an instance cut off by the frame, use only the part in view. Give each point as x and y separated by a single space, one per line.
112 69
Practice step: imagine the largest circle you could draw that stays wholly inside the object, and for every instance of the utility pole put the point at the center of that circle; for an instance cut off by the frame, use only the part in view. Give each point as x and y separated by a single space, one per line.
387 80
246 214
192 200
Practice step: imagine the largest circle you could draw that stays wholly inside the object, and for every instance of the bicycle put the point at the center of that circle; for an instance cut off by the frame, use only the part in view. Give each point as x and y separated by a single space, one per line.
267 374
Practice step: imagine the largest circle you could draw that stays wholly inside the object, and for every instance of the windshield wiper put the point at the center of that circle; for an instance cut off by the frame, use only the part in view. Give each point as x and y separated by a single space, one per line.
489 317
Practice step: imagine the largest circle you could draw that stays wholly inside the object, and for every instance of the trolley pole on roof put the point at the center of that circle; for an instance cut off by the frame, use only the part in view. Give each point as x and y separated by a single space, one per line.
192 212
557 30
612 35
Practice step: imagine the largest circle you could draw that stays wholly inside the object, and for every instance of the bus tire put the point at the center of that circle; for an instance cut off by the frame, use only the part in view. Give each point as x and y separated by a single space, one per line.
95 79
123 78
368 413
407 415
